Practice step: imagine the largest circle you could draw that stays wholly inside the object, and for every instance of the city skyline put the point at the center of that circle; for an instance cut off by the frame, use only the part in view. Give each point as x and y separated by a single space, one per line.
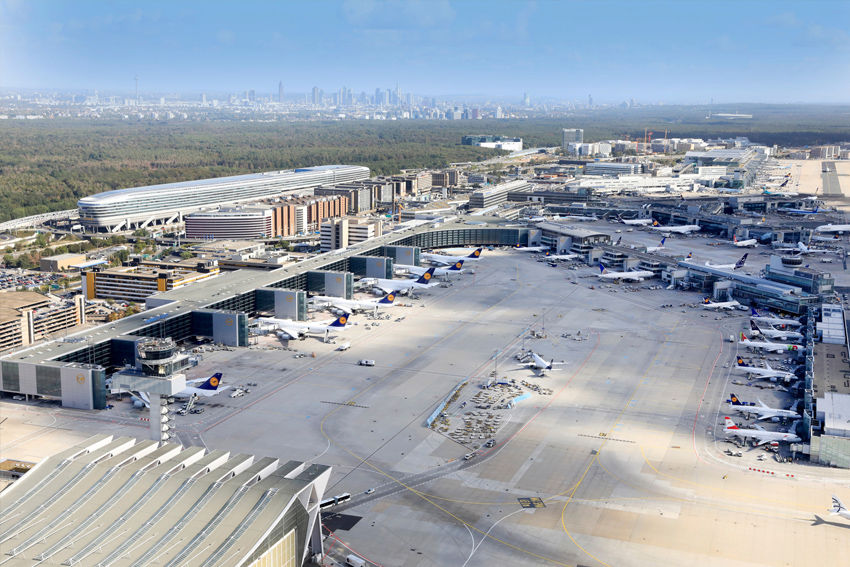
652 52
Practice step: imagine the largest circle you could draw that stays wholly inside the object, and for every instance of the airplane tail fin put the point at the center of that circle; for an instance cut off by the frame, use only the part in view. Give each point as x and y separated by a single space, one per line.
655 223
690 255
741 362
837 506
734 238
620 239
734 401
753 312
743 336
476 253
706 301
457 266
602 268
426 277
753 326
387 299
740 263
729 425
663 240
341 321
212 382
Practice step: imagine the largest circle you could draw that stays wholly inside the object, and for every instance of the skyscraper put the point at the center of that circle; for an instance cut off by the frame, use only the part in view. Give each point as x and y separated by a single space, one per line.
317 96
589 101
280 91
572 136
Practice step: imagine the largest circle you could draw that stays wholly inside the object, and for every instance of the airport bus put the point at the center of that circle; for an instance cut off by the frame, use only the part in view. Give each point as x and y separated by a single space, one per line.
339 499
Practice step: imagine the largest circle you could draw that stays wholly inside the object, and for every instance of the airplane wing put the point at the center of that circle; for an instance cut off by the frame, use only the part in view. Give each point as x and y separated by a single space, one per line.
440 261
292 332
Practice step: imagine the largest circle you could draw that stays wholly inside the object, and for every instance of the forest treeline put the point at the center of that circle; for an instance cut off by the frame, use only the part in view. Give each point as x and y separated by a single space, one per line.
48 165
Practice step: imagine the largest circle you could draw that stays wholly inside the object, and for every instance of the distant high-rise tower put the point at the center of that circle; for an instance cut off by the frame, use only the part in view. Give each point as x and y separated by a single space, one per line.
280 91
572 136
589 101
317 96
499 113
204 98
526 100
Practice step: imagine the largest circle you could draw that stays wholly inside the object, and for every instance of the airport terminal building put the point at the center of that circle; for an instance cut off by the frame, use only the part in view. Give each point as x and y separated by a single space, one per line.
121 501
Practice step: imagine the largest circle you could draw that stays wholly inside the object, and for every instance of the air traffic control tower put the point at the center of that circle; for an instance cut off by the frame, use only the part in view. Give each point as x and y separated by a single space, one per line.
156 377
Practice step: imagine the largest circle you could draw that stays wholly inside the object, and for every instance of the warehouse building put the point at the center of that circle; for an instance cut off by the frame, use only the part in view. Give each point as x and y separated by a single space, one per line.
108 501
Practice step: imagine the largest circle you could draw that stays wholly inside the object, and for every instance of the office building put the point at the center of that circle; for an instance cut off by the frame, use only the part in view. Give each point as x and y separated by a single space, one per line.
240 223
61 262
612 168
497 142
572 136
139 207
280 91
496 195
139 280
26 317
347 231
118 500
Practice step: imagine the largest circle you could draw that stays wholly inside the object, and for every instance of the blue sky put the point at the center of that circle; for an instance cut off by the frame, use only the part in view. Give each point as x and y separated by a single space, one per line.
676 51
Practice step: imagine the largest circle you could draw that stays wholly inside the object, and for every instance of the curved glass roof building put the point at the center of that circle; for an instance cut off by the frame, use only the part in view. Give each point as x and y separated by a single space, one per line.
138 207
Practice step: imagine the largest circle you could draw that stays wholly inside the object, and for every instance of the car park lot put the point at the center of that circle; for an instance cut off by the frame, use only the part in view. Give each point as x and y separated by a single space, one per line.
618 457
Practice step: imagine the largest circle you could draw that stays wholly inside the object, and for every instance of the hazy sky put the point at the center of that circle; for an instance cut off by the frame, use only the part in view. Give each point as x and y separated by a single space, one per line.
676 51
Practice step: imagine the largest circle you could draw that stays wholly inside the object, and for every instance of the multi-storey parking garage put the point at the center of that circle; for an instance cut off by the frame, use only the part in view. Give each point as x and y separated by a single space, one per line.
138 207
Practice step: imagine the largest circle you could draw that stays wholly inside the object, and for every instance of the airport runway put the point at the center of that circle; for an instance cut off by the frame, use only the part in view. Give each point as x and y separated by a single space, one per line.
623 458
829 178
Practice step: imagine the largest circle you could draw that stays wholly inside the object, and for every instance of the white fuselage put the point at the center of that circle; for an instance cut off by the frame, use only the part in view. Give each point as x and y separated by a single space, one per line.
771 347
636 276
766 373
680 229
760 436
750 243
728 305
437 272
350 305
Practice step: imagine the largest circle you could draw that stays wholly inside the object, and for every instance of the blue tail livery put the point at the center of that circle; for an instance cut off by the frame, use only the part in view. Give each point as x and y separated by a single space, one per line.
212 382
341 321
426 277
387 299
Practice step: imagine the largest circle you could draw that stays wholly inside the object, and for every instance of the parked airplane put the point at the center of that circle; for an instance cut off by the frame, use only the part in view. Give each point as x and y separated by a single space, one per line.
539 365
759 434
755 316
442 260
729 305
767 372
353 305
637 222
749 243
636 275
839 228
772 333
678 229
766 345
456 268
814 211
760 410
803 249
736 266
838 508
404 286
531 248
287 328
210 387
561 256
580 218
657 248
